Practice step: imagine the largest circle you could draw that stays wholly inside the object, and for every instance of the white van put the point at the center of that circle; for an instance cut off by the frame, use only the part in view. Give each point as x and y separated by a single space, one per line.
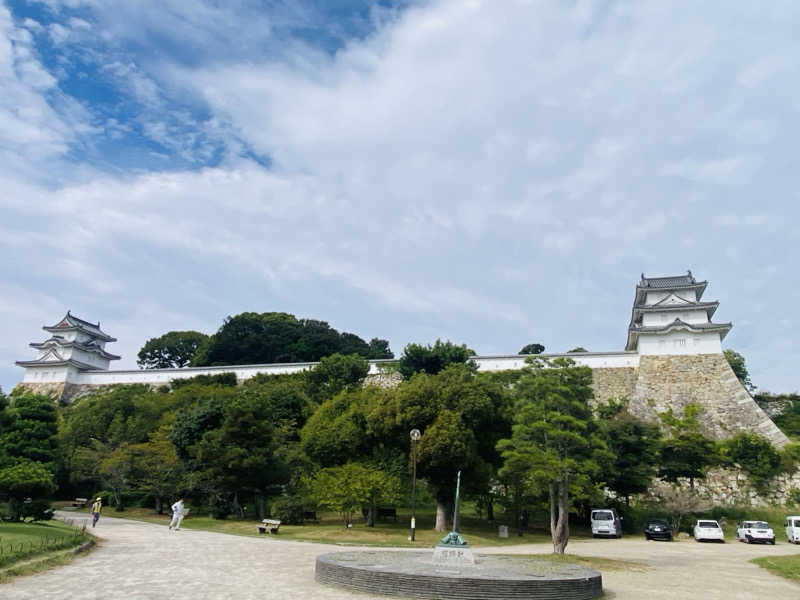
793 530
606 522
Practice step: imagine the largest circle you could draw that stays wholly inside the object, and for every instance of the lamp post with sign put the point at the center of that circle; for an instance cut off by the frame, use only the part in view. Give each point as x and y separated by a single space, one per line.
415 435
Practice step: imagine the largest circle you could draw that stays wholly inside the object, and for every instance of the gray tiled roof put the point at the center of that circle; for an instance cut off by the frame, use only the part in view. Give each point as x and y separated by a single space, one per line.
70 321
668 282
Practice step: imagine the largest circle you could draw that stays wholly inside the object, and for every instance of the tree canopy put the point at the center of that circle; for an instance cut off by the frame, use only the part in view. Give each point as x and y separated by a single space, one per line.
532 349
432 359
737 363
174 349
274 337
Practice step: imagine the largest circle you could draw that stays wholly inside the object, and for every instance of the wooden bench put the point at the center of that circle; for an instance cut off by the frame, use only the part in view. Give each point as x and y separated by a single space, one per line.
268 525
80 502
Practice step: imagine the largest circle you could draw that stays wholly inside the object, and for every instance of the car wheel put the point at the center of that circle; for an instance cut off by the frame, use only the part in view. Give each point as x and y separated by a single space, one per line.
772 542
669 539
647 537
749 540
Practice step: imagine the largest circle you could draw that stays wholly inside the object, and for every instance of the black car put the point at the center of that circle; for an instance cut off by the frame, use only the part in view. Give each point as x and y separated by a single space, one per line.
657 529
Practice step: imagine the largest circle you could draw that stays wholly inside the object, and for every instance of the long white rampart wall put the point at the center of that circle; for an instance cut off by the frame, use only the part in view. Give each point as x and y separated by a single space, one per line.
244 372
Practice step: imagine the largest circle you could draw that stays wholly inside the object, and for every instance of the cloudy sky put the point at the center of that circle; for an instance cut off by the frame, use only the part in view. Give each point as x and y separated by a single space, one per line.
494 173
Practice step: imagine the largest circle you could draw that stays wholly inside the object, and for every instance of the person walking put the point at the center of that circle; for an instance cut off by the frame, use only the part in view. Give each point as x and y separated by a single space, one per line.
95 512
177 515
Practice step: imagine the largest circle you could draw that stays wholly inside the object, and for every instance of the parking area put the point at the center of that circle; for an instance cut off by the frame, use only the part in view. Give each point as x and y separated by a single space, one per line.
145 561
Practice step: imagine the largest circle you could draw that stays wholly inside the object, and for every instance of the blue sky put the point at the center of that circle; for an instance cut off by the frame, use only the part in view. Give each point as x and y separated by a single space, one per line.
493 173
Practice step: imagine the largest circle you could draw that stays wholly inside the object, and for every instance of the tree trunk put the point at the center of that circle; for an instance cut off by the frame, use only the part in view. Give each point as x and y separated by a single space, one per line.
159 505
118 499
441 516
371 515
236 506
490 510
518 508
261 507
559 525
13 509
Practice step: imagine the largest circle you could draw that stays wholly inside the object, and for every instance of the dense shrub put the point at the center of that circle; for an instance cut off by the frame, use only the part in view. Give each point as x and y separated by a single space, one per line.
288 509
226 378
37 510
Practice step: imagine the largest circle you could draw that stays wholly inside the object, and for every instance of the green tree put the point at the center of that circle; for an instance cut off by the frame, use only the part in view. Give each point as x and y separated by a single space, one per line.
461 417
347 488
335 373
736 361
532 349
555 436
30 429
338 433
231 444
156 467
174 349
634 443
432 359
578 349
685 451
252 338
379 348
756 456
24 479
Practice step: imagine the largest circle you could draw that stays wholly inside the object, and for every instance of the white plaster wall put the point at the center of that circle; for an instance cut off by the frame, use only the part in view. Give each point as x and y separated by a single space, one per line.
243 372
46 374
587 359
680 342
90 358
662 318
658 296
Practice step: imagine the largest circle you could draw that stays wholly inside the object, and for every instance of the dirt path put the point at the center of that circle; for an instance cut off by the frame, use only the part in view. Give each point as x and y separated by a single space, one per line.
142 561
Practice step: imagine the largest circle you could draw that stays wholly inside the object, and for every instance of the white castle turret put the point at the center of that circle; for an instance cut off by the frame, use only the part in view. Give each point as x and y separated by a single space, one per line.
74 346
669 317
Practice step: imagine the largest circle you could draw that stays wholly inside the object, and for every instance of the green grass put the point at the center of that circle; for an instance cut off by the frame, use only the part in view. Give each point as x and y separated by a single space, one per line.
25 541
331 531
784 566
593 562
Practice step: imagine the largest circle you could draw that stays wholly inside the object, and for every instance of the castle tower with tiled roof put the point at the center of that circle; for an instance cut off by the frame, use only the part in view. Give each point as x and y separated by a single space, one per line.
74 346
670 318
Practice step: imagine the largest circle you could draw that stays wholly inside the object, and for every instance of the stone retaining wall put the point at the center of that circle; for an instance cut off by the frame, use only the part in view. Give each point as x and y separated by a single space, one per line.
732 487
665 382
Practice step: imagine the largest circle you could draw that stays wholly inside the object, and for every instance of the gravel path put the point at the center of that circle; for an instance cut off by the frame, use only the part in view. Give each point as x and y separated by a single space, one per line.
145 561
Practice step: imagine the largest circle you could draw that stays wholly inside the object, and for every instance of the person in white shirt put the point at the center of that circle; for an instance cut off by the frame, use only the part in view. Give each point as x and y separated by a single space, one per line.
177 515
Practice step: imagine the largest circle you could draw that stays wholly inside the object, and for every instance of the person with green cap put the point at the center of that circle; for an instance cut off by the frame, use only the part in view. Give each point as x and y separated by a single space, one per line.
95 512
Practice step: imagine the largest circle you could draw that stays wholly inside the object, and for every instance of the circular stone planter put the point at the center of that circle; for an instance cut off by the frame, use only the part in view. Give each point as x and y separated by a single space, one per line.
414 575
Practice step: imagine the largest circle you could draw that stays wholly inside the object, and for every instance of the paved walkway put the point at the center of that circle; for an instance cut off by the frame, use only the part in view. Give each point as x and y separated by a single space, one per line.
142 561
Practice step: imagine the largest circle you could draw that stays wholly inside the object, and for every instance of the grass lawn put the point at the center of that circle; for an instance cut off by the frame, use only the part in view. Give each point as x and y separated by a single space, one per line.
330 530
593 562
785 566
23 542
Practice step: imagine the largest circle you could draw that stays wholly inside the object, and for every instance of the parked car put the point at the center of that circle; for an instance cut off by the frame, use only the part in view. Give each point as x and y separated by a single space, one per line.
657 529
755 531
606 523
708 530
792 525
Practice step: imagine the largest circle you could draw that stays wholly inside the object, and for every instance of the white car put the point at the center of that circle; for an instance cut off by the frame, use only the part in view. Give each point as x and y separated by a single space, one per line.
708 530
755 531
606 523
792 525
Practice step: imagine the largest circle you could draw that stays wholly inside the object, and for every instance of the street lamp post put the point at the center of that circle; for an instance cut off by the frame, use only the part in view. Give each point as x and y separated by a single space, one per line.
415 435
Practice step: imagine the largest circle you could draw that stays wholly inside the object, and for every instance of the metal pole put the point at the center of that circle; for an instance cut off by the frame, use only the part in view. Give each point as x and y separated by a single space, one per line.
414 488
455 510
